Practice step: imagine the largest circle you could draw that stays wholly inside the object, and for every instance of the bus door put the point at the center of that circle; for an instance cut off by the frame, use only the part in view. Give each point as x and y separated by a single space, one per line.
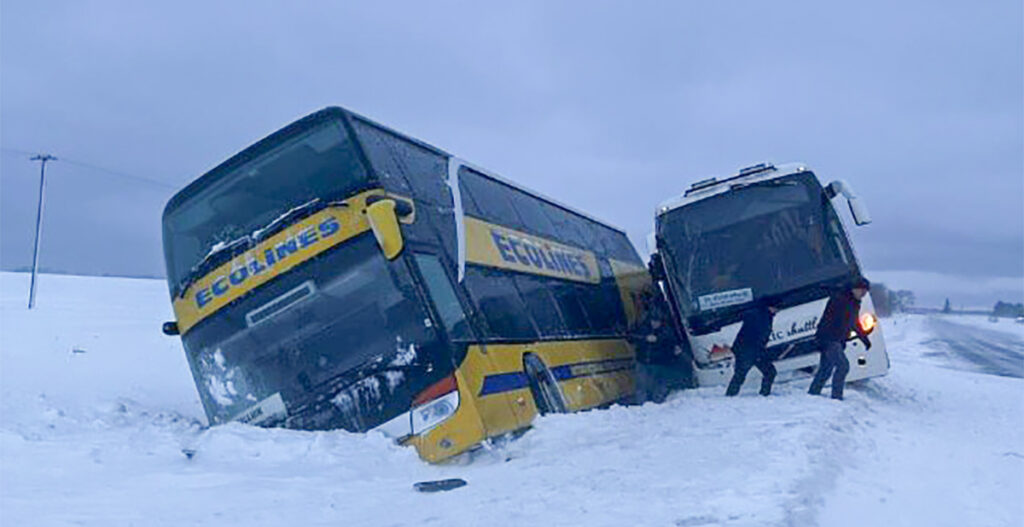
453 313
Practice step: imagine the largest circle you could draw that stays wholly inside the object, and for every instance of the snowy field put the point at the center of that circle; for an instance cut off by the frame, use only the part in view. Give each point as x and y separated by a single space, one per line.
96 406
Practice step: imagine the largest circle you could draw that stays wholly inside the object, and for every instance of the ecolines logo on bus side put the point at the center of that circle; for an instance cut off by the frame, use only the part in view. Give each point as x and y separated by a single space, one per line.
261 262
541 256
498 246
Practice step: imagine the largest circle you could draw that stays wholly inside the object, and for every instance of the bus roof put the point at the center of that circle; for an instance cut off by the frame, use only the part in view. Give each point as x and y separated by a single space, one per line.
261 146
713 186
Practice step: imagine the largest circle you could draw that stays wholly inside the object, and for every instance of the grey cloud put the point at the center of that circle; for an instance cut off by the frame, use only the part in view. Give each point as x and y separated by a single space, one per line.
609 106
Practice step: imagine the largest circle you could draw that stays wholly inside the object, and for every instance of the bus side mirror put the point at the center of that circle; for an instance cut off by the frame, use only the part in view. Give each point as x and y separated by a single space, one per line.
857 209
170 329
384 222
859 212
403 208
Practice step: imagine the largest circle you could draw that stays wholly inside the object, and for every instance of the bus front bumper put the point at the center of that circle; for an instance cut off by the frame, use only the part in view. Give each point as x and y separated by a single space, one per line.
864 364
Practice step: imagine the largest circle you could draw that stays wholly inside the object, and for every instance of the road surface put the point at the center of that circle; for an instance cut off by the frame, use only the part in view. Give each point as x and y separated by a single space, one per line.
977 349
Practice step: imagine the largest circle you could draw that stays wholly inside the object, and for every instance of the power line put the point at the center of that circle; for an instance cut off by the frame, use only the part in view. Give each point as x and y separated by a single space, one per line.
17 151
88 166
119 174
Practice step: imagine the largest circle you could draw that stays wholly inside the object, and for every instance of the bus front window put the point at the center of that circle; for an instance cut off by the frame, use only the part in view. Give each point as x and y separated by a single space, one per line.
759 240
313 166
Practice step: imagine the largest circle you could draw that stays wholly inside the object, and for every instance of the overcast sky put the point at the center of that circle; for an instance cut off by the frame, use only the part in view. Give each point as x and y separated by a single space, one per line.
611 107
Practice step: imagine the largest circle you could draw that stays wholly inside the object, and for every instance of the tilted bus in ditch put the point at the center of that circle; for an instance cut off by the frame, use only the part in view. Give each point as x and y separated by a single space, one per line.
338 274
767 232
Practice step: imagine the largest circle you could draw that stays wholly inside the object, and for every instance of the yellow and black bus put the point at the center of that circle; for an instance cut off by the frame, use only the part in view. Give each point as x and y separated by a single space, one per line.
339 274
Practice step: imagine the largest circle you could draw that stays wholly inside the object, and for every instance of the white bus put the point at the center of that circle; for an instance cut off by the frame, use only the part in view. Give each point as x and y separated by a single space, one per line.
766 233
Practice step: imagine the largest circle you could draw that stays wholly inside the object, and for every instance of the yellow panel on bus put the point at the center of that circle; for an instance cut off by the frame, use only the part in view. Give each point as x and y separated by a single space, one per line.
495 396
496 246
634 284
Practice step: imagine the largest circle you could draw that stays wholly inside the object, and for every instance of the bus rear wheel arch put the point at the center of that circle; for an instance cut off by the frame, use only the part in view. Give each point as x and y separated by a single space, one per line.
547 395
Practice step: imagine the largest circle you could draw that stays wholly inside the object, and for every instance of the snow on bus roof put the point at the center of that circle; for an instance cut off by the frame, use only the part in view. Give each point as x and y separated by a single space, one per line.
723 185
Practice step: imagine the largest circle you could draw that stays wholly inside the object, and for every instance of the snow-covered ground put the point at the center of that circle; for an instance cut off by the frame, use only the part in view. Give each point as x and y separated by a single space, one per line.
96 406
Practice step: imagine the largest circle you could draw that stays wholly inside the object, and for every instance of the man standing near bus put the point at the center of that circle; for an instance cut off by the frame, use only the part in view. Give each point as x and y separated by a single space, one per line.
750 348
838 320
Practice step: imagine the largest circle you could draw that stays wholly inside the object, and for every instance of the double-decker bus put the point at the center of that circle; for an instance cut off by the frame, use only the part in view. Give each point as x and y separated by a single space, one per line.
339 274
766 233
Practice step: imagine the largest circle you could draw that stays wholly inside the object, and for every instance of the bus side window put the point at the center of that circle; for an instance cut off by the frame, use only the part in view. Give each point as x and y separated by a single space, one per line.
378 146
568 231
402 164
498 300
534 218
567 295
618 246
441 292
492 198
469 205
603 303
536 292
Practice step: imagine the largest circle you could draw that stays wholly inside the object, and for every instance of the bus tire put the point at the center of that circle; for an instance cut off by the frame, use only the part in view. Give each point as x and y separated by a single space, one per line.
543 385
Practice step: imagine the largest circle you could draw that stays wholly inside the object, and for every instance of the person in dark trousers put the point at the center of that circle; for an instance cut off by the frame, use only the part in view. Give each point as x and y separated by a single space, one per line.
750 348
838 320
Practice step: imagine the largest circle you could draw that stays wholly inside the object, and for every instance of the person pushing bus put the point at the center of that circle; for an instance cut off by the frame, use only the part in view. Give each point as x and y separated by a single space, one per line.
838 320
750 348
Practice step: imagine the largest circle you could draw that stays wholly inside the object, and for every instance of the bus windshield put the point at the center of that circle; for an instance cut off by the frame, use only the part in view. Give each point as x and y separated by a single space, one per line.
762 239
350 332
312 167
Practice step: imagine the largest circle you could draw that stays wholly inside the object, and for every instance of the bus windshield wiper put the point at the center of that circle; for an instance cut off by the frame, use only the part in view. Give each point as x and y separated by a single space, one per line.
216 253
212 258
291 215
287 218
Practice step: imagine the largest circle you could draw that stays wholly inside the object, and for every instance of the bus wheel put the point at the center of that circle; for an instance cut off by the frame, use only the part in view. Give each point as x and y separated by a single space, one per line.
543 385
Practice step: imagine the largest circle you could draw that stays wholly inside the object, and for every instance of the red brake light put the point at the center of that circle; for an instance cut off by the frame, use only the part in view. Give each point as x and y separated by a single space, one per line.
719 352
439 388
867 322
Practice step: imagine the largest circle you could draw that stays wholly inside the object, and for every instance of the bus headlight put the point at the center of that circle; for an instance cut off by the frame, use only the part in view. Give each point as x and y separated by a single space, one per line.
434 405
867 322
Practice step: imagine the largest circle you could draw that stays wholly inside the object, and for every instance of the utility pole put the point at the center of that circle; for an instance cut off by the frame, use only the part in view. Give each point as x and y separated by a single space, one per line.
39 225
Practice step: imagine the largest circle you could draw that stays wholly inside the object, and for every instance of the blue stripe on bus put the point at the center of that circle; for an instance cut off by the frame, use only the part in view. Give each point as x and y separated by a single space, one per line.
517 380
562 372
504 382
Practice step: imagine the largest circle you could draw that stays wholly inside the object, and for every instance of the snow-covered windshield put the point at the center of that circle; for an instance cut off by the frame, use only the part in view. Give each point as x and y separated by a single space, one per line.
320 163
352 320
758 240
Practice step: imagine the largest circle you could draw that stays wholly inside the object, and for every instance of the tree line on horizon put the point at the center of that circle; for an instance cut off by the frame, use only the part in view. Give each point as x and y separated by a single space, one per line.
887 301
1006 309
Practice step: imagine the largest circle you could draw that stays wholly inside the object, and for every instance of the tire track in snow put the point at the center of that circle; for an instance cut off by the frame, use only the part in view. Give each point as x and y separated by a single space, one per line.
830 450
838 443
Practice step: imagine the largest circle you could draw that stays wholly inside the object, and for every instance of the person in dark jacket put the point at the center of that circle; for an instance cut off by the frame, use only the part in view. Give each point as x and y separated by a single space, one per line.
750 348
838 320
